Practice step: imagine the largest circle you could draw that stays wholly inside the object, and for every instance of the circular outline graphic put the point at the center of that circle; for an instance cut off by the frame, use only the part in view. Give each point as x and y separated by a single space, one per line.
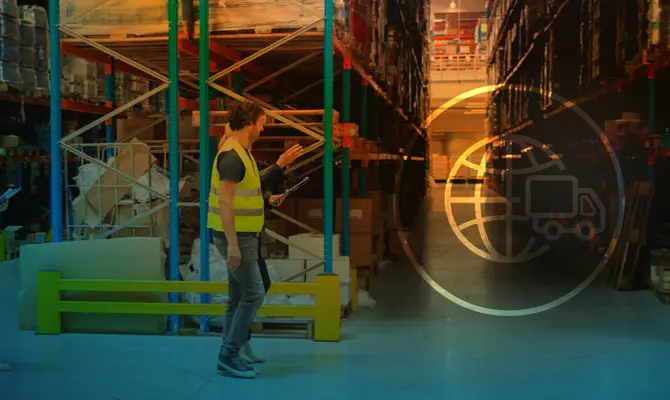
575 291
478 200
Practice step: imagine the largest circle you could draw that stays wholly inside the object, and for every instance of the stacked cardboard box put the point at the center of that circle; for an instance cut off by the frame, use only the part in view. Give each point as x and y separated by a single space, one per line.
439 167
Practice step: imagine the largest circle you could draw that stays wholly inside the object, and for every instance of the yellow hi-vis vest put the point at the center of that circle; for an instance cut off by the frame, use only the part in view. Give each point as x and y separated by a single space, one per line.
248 201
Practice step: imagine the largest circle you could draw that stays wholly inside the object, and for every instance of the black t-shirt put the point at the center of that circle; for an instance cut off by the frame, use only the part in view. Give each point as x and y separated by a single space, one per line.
231 167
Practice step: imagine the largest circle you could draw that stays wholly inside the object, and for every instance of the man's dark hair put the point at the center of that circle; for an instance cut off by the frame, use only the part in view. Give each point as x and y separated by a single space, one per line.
244 114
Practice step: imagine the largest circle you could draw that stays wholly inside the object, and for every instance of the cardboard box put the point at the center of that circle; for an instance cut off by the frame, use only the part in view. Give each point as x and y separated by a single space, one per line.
310 213
312 242
145 227
361 249
127 126
93 206
360 216
161 218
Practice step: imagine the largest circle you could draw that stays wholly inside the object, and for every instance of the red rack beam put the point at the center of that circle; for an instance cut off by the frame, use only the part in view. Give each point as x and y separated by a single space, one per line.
221 57
234 56
84 107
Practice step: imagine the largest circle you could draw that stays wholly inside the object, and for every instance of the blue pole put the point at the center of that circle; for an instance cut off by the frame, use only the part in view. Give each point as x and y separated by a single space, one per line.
56 128
346 118
110 92
204 153
328 137
173 143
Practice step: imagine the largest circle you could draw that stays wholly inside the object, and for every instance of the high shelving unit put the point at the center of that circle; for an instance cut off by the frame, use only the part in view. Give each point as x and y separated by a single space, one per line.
577 74
374 49
533 44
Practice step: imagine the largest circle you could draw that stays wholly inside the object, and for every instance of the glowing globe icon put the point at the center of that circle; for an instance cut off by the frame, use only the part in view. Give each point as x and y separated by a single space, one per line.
515 146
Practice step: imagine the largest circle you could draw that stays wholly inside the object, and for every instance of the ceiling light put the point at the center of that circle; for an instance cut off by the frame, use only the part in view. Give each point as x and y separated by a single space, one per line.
453 4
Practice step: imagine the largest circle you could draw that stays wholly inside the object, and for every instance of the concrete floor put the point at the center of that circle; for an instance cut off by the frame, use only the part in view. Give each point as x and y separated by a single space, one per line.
416 343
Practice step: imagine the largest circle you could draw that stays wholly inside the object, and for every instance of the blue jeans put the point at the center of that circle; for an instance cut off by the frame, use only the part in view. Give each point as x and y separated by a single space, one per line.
245 292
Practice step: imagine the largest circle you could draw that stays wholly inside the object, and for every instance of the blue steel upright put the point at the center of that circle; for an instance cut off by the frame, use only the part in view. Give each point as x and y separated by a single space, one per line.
172 106
328 137
205 162
55 118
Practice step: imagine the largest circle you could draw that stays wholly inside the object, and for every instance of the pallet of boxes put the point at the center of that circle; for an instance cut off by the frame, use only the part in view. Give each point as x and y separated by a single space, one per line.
305 249
365 238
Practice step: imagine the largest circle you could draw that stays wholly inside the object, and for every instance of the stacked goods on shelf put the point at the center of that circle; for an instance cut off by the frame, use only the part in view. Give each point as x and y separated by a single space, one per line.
352 19
659 28
24 49
439 167
10 52
378 39
82 80
130 87
34 21
535 44
150 17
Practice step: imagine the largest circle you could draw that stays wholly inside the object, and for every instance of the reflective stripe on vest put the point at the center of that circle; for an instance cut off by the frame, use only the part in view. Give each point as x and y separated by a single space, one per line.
239 212
241 192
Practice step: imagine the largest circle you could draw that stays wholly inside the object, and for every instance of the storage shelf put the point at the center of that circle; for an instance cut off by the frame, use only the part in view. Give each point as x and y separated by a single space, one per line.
67 105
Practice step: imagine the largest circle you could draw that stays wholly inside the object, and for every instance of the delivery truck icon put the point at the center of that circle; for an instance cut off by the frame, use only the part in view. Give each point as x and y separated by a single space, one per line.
552 200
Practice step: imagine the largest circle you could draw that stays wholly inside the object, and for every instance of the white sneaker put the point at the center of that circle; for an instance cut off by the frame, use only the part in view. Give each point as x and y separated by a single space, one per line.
247 354
4 366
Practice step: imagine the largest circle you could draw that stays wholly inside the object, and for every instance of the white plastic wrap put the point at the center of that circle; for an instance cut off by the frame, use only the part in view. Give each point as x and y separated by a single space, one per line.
28 78
159 182
27 57
9 7
88 175
9 50
10 74
9 27
150 17
35 15
27 34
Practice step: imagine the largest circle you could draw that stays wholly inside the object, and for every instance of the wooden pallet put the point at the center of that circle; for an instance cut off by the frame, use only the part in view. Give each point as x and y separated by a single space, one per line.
284 327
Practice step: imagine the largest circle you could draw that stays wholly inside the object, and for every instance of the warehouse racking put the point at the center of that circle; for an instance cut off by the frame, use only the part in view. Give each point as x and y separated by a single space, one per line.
191 63
608 61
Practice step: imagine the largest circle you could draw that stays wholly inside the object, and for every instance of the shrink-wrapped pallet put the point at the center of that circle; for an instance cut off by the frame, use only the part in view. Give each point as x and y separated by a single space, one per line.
150 17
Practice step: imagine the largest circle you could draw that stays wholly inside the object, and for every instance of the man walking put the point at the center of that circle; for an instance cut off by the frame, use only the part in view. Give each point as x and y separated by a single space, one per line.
236 217
271 179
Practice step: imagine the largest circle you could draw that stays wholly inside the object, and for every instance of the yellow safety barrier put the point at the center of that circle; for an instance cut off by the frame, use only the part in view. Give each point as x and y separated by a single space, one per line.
50 306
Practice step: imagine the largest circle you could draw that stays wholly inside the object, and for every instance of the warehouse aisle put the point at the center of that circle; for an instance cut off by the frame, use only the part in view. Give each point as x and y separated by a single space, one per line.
415 343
